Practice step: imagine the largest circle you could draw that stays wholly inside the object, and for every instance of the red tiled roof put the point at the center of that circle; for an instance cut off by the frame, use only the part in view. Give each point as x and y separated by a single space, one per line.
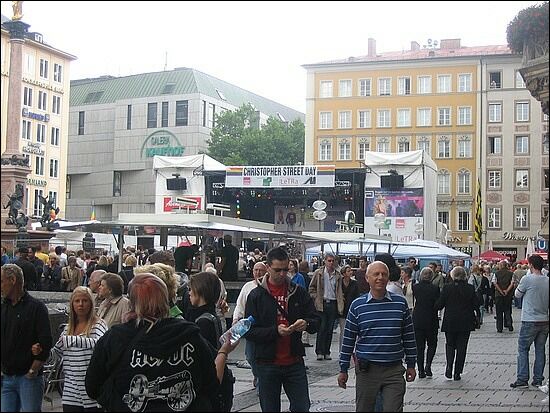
424 54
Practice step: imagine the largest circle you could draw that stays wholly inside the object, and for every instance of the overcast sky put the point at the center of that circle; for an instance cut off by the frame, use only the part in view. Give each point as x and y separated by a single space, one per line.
258 46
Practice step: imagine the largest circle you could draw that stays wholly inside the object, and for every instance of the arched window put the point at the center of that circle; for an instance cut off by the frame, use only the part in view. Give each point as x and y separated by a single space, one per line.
444 182
463 181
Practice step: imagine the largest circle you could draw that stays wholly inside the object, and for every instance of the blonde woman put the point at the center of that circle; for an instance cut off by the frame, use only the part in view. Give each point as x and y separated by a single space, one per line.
76 344
167 274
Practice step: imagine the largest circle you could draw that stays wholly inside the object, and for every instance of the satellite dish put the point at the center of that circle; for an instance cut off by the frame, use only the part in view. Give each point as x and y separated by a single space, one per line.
319 215
319 205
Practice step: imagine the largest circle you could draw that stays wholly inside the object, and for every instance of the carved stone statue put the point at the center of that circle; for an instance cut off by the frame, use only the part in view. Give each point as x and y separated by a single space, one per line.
49 212
17 10
19 219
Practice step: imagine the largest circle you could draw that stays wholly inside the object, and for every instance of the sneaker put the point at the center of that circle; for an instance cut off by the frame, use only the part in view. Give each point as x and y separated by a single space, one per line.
327 357
536 383
428 372
519 385
319 357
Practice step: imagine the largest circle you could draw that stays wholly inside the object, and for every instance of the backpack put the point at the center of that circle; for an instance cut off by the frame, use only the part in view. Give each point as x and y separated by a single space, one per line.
223 402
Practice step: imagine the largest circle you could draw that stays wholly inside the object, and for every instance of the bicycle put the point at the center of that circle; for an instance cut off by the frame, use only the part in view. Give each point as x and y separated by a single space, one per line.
53 376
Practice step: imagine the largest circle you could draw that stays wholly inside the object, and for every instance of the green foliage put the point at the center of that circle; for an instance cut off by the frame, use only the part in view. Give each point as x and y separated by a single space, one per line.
237 140
529 26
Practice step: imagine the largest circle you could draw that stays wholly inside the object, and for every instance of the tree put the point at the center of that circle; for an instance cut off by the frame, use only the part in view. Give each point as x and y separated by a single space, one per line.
237 140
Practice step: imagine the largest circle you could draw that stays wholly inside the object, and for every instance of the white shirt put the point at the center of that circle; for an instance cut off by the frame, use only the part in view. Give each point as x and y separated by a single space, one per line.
241 300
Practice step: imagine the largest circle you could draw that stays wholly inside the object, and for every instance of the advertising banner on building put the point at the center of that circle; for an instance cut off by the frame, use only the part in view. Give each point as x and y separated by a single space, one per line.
309 176
180 203
403 211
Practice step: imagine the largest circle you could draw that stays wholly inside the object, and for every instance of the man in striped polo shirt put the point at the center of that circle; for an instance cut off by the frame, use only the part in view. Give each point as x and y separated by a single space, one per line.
379 328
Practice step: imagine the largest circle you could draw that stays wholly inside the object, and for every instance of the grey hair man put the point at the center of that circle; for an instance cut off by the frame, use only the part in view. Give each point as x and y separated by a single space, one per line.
94 283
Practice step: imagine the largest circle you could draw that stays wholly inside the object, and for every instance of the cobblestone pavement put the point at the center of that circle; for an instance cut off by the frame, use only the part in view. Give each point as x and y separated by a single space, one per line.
485 385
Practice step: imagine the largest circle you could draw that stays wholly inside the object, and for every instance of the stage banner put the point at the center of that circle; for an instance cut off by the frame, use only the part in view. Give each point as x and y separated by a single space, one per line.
309 176
403 209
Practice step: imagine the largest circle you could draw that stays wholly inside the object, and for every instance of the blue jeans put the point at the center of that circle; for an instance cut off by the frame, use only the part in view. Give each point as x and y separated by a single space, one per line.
531 332
292 378
249 351
22 394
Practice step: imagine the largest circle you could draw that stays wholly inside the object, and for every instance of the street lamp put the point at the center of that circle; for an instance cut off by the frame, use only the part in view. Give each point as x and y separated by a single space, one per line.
379 221
419 229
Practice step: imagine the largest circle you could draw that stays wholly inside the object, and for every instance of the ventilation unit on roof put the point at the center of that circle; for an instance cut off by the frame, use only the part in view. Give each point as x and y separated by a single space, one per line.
168 88
221 95
93 96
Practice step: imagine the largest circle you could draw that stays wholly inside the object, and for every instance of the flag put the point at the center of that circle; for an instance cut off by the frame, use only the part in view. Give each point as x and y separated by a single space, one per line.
478 224
92 217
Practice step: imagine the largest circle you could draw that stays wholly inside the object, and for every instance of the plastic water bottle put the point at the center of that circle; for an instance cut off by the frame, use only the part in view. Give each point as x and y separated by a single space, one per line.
238 330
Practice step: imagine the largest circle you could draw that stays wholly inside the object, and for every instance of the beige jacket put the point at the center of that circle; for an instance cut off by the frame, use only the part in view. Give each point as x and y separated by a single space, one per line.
317 290
111 311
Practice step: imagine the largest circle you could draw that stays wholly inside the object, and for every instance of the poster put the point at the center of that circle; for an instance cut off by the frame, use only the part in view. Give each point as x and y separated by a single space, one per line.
309 176
299 218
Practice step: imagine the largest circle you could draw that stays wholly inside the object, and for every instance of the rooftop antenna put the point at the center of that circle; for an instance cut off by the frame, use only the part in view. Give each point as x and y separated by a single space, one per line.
165 60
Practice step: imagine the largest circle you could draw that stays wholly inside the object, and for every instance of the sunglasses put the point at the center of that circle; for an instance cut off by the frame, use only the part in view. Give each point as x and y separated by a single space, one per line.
329 260
279 269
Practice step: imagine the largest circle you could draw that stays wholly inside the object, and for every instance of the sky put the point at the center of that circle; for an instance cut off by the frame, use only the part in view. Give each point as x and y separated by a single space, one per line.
258 46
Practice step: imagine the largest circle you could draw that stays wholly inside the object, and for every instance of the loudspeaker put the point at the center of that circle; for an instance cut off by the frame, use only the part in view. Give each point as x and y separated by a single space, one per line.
176 184
391 181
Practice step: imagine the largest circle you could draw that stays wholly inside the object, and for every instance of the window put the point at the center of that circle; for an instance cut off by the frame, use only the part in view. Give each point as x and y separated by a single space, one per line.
545 143
281 117
39 166
164 115
344 151
444 84
404 86
41 133
545 178
44 68
443 217
464 115
494 215
325 120
56 104
42 100
495 80
464 220
344 88
495 179
464 146
325 150
444 182
211 114
465 82
403 144
182 112
522 111
129 117
28 157
521 217
326 89
52 196
364 119
57 73
384 118
26 130
403 117
38 206
117 183
27 96
365 87
424 117
495 145
54 168
444 118
522 179
495 112
424 84
81 123
520 83
152 115
544 213
463 184
344 119
443 147
522 145
29 65
54 137
424 143
363 148
68 187
383 144
384 86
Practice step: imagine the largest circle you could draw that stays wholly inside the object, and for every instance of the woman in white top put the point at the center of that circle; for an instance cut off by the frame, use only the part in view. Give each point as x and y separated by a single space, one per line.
76 345
406 277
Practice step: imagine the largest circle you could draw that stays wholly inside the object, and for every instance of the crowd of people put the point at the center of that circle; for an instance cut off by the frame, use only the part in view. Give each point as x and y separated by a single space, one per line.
148 337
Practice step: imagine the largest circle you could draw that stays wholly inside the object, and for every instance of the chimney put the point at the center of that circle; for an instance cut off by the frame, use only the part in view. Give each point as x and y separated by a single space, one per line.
372 47
449 44
415 46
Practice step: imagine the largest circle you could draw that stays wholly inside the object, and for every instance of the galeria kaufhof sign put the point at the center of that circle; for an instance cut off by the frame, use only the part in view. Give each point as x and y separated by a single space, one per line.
312 176
163 143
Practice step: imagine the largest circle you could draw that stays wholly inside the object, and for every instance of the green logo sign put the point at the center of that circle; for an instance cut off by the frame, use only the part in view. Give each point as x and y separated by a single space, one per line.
162 143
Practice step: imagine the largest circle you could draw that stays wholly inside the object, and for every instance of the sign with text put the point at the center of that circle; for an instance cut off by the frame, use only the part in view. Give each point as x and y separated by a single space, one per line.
177 203
309 176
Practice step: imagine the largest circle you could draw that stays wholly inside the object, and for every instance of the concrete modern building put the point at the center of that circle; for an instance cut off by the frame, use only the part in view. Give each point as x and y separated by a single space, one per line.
45 116
433 98
117 125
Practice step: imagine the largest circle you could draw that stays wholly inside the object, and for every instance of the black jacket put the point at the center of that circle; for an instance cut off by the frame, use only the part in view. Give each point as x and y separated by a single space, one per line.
208 329
460 303
29 274
169 368
263 307
424 315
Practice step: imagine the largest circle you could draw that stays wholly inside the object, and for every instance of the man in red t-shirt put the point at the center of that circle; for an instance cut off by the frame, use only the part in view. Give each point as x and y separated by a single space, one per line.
282 310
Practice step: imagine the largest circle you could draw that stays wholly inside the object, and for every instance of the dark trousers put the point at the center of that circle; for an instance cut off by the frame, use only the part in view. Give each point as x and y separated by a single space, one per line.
71 408
424 336
385 383
504 311
324 335
456 344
